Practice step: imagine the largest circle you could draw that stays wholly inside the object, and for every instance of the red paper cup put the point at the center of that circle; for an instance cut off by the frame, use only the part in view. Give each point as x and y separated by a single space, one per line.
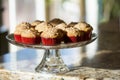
26 40
17 38
75 39
50 41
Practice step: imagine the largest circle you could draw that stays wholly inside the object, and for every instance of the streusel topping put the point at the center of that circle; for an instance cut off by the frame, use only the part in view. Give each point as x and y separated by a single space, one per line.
36 22
56 21
43 26
74 32
52 33
23 25
29 33
83 26
62 26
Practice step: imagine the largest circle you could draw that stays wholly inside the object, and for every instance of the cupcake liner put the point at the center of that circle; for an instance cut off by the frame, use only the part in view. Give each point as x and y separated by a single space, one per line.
87 35
26 40
67 39
38 40
75 39
17 38
50 41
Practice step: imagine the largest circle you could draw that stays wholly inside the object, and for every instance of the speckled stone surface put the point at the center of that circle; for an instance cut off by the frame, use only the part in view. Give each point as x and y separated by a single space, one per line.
105 66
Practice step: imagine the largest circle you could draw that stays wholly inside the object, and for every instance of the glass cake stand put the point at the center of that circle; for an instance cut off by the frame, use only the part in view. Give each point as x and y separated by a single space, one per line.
52 61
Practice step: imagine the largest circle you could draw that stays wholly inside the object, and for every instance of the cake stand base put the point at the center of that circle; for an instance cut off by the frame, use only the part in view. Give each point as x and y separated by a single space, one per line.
52 62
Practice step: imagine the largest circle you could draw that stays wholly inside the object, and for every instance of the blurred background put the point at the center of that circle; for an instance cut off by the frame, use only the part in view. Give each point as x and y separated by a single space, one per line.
103 15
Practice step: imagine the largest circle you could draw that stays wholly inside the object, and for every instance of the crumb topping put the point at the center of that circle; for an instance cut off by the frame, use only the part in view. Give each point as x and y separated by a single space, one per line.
52 33
29 33
72 24
83 26
56 21
43 26
18 32
36 22
74 32
23 25
62 26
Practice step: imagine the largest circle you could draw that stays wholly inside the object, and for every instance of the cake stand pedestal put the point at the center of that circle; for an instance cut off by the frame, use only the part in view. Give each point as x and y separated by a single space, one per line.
52 61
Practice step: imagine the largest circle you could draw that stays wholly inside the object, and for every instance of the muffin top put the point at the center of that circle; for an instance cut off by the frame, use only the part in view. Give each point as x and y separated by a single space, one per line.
71 31
36 22
29 33
43 26
83 26
17 32
22 26
61 26
52 33
72 24
56 21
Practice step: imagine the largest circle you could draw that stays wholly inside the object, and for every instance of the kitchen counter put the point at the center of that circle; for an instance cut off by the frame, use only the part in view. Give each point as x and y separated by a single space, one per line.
104 66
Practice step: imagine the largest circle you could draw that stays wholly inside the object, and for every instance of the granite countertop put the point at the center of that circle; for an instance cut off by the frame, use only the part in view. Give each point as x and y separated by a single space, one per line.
104 66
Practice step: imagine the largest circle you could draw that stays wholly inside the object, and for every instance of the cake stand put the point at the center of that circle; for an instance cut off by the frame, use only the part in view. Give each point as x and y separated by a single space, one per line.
52 61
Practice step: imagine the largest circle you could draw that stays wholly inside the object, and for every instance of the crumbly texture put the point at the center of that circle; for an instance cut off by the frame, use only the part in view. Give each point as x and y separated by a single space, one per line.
43 26
29 33
23 25
56 21
62 26
72 24
36 22
52 33
17 75
83 26
74 32
17 32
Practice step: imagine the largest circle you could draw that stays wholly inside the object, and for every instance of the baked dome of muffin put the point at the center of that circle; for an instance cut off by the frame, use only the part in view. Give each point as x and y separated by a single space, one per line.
83 26
22 26
52 33
72 24
73 32
29 33
43 26
36 22
54 22
61 26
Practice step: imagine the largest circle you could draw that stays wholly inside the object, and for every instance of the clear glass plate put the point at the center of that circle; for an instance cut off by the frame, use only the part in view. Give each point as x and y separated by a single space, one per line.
52 61
10 38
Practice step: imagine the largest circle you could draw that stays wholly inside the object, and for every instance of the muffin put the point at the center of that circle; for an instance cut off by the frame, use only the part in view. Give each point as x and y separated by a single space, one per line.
18 30
36 22
55 22
30 37
43 26
74 35
86 28
23 25
61 26
72 24
52 36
